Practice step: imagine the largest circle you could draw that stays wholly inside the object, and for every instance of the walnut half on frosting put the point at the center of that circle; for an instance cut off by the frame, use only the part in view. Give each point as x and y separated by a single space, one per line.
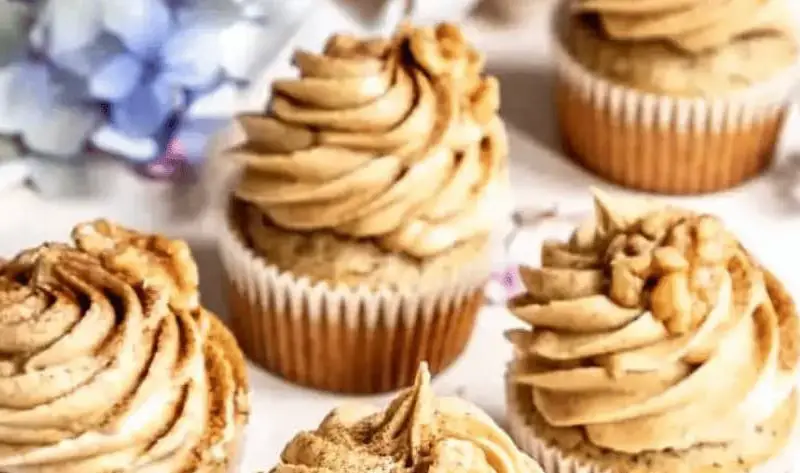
651 329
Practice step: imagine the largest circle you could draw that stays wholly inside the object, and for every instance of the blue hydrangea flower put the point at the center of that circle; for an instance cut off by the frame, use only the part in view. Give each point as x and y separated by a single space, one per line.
149 80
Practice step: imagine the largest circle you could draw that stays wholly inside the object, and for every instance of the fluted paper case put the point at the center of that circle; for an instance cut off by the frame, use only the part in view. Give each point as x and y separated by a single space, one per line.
343 339
670 145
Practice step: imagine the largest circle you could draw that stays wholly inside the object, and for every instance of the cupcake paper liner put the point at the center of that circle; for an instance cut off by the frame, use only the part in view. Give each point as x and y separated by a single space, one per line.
553 460
352 340
671 145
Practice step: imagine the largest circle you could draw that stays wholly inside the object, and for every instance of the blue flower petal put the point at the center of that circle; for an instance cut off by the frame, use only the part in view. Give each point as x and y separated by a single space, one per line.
191 58
26 95
90 58
195 92
113 141
69 87
63 131
71 24
116 79
142 25
145 111
193 137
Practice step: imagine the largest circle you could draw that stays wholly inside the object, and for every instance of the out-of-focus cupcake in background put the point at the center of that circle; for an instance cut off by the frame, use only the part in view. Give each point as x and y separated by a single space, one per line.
511 11
358 239
674 96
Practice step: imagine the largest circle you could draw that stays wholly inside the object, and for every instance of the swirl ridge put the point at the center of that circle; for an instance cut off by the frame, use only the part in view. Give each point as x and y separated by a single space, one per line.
396 140
109 363
654 329
417 432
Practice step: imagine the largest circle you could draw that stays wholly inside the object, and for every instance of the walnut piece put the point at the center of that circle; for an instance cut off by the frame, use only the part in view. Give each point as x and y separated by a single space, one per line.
485 100
672 264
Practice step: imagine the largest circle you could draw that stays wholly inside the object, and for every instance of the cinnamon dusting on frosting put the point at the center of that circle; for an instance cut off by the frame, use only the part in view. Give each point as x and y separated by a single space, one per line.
396 140
109 363
654 329
417 432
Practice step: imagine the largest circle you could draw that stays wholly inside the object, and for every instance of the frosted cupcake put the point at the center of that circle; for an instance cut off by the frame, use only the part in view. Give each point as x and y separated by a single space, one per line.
674 96
658 344
357 240
416 432
109 363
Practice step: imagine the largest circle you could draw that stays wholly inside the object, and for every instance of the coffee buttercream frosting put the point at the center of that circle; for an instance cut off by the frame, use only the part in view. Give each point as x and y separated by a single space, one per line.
109 363
417 432
654 329
691 25
394 140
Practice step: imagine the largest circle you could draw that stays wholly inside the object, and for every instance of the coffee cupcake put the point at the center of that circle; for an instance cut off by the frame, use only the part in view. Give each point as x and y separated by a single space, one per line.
109 363
674 96
658 344
417 432
357 241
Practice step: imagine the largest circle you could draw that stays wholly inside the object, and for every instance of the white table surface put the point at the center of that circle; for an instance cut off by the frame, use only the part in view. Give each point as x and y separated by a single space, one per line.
766 220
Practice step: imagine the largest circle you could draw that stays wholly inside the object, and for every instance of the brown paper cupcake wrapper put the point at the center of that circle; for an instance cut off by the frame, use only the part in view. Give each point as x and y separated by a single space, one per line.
663 144
553 460
342 339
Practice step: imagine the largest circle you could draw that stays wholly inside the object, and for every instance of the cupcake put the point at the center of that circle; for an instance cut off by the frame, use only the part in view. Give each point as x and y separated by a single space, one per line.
658 345
358 235
109 363
511 11
417 432
674 96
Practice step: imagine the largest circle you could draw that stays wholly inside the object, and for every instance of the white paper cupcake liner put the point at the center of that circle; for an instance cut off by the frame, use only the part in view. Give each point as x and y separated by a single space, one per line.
674 145
553 460
347 339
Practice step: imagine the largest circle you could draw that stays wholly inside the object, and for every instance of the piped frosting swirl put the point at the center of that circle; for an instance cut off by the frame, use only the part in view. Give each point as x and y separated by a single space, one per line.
654 329
694 26
109 363
395 140
417 432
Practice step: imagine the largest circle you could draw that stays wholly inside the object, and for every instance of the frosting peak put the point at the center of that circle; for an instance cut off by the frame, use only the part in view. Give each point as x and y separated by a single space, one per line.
153 259
417 432
393 139
691 25
108 363
654 329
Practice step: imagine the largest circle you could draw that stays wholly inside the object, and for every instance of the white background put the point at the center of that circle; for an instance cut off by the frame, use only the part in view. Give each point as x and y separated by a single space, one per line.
761 212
